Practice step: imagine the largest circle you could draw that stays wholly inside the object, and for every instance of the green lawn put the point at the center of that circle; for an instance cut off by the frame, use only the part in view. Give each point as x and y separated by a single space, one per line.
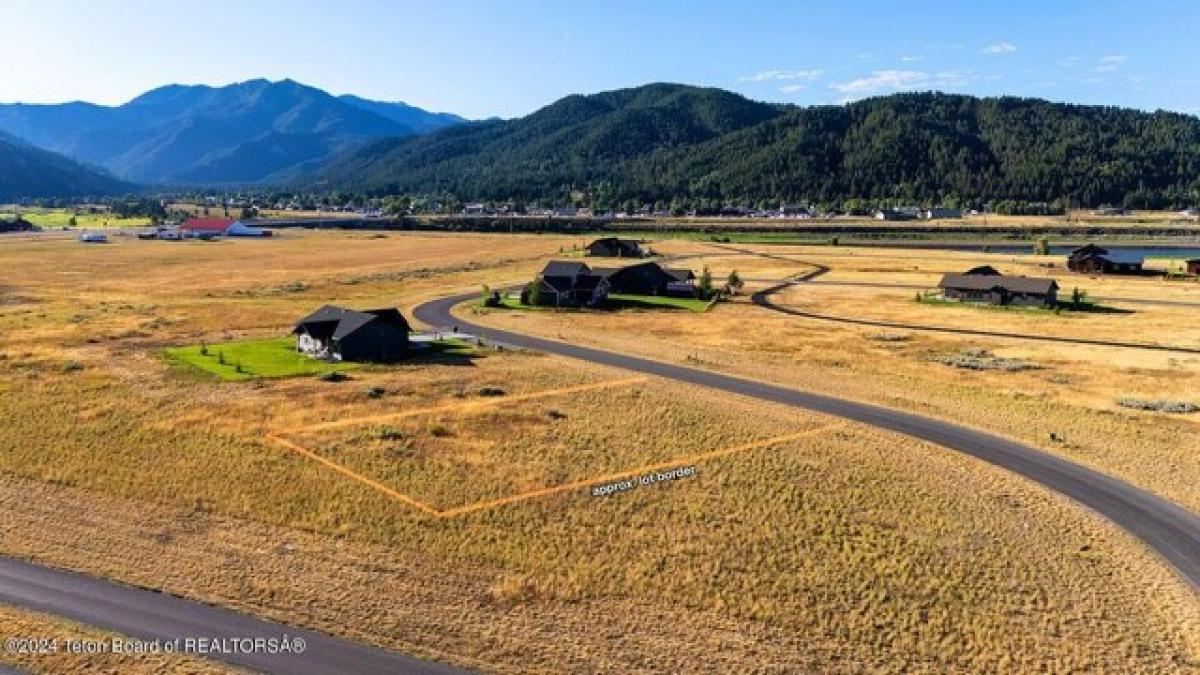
621 301
56 218
276 357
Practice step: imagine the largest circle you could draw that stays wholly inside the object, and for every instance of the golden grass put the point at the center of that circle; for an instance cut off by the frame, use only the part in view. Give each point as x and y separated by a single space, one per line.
847 550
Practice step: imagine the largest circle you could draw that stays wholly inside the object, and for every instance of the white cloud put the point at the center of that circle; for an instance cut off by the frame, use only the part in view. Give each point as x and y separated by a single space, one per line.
883 81
793 88
1110 63
907 58
769 75
999 48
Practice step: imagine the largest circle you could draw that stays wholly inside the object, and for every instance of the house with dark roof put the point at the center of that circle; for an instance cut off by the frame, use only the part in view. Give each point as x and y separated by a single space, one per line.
998 289
342 334
1193 266
567 283
648 278
983 270
612 247
1093 259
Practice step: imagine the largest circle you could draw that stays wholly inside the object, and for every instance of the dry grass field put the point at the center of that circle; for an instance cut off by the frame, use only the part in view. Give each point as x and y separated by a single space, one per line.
842 549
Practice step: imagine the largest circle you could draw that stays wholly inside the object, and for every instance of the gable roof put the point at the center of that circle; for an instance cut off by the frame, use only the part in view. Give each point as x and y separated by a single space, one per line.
983 270
207 224
564 268
977 282
680 273
345 321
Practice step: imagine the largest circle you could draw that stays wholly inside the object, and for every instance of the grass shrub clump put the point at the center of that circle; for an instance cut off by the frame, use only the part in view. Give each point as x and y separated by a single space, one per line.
1158 405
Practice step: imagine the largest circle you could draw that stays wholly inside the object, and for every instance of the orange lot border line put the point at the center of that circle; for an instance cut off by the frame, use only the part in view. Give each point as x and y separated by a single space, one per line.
542 492
630 473
346 471
500 400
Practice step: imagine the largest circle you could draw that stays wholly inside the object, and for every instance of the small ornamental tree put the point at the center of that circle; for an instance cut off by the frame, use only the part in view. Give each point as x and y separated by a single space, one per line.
705 284
734 282
1041 246
534 296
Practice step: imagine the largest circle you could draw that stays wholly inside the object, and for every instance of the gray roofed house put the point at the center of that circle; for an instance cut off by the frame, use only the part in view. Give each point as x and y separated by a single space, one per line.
998 289
1095 259
612 247
343 334
568 283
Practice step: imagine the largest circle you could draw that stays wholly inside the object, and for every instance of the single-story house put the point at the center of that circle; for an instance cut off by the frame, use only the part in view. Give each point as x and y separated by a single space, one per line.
1093 259
342 334
612 247
214 227
1193 266
568 283
998 289
648 278
1107 210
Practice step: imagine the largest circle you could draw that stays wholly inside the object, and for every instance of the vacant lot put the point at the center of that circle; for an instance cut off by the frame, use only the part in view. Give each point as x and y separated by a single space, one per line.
848 549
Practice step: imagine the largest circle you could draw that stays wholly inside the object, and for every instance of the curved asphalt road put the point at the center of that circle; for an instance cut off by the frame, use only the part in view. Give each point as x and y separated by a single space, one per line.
148 615
1170 531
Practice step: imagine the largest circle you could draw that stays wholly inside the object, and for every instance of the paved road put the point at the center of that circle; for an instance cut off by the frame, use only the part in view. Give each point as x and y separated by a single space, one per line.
1170 531
148 615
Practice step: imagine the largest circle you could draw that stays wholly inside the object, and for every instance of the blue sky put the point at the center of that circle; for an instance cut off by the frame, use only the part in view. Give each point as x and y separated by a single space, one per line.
509 58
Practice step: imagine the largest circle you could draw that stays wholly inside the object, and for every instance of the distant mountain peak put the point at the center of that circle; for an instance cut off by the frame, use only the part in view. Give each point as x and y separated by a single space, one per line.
199 133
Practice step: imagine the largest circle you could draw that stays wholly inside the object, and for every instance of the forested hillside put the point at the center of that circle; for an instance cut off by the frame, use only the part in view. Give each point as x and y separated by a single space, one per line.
26 171
691 146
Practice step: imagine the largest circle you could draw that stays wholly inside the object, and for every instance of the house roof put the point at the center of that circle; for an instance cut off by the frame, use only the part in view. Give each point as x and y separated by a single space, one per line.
680 274
564 268
976 282
345 321
983 270
610 271
631 244
207 224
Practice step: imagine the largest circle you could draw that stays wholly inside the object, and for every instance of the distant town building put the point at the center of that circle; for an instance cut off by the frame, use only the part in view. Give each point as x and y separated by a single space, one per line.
898 213
940 212
1193 266
211 227
474 209
1111 211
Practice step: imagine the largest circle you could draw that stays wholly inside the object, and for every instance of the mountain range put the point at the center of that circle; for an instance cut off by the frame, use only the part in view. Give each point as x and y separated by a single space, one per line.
249 132
668 142
693 146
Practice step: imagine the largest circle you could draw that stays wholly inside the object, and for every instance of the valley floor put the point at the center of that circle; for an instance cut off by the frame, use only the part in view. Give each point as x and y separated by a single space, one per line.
811 544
